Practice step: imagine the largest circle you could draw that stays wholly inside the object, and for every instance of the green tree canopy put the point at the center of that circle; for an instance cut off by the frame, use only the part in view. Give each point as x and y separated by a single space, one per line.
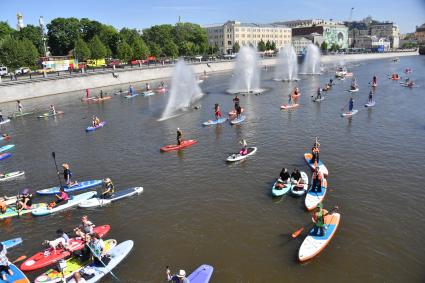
5 30
261 46
171 49
30 53
62 34
236 47
187 48
97 49
33 33
334 47
268 45
140 49
124 51
16 53
273 46
324 46
155 49
81 50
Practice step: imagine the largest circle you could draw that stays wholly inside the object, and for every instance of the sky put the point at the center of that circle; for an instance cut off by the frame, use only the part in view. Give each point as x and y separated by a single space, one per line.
142 14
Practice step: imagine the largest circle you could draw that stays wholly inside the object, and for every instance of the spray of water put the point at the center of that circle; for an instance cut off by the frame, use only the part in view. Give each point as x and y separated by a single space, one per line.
311 64
246 77
287 65
184 90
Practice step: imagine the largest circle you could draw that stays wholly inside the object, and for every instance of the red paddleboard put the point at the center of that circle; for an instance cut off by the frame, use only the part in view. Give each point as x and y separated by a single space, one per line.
49 256
233 112
289 106
183 144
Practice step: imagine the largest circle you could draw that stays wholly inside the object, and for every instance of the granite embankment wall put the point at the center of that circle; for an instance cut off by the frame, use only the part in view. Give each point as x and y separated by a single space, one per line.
50 85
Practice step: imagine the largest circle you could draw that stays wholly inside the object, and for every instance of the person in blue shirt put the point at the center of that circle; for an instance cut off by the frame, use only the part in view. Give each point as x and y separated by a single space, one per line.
177 278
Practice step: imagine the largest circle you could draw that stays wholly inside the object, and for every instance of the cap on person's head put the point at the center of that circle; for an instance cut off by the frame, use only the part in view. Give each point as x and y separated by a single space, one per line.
182 273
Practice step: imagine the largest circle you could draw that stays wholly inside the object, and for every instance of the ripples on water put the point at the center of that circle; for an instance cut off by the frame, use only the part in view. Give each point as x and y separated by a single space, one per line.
197 209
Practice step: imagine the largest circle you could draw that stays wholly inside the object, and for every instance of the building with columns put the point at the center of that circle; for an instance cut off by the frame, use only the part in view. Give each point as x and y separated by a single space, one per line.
387 30
224 36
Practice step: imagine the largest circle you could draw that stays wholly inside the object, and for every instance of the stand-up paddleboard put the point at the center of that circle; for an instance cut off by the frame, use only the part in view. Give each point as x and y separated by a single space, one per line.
312 244
128 96
50 114
214 122
300 190
11 175
4 121
6 147
286 106
353 90
322 167
409 86
50 256
91 128
9 200
17 277
312 199
11 211
5 155
74 188
233 112
318 99
238 120
73 265
12 243
95 202
183 144
87 99
202 274
161 90
118 254
148 93
350 113
370 104
19 114
238 157
73 201
100 99
276 192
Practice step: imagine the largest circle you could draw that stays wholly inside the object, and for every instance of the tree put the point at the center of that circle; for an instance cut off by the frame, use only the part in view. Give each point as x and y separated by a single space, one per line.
334 47
33 33
97 48
236 47
273 46
187 48
268 45
81 50
89 29
213 49
155 49
30 53
124 51
261 46
140 49
62 34
171 49
5 30
324 46
11 54
159 34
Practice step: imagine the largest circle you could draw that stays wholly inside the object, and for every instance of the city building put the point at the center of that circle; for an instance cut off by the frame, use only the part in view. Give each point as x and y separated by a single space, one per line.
333 32
300 43
420 34
387 30
224 36
372 42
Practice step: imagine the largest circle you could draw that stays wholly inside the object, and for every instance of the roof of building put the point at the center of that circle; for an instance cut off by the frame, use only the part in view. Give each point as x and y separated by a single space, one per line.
421 28
254 25
300 38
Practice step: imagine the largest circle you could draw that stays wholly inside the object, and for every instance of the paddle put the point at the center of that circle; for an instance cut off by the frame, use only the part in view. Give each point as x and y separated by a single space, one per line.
299 231
57 170
107 269
21 258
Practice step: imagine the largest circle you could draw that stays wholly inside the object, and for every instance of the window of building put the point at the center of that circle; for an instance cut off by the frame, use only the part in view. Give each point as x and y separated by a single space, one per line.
229 43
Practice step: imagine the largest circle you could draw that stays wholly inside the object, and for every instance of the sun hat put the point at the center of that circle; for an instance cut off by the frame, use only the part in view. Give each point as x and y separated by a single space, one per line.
182 273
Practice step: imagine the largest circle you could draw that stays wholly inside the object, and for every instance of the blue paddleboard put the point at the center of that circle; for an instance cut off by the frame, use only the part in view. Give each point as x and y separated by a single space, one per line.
80 186
214 122
202 274
12 243
17 277
238 120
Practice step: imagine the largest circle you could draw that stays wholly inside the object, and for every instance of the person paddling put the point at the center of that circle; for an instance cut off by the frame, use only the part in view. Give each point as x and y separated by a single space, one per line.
20 108
176 278
217 111
98 250
319 221
317 181
374 81
236 101
87 93
52 109
238 111
319 93
4 264
315 152
350 104
67 174
61 198
131 90
370 99
354 84
108 188
179 136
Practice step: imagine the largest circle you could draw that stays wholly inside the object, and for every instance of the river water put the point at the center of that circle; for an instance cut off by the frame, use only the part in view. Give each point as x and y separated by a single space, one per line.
197 209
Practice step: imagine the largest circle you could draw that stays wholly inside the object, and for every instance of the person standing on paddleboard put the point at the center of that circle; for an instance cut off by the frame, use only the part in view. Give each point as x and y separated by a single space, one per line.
236 101
319 221
370 96
67 174
179 136
176 278
87 93
238 112
1 116
20 108
315 152
319 93
317 181
217 111
374 81
351 105
4 263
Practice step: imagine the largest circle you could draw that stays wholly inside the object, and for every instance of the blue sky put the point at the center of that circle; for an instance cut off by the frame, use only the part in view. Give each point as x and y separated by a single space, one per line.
141 14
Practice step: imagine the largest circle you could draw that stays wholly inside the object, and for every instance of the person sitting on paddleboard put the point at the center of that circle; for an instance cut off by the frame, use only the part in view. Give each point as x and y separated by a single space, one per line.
317 181
319 221
24 201
331 82
283 179
52 110
244 149
67 174
108 188
4 264
86 227
62 198
98 250
217 111
20 108
236 101
95 121
351 104
176 278
179 136
296 175
319 93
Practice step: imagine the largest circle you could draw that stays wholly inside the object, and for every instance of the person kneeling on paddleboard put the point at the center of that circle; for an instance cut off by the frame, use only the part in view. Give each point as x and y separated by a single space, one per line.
24 201
62 198
4 264
108 189
319 221
217 111
177 278
244 149
179 136
317 181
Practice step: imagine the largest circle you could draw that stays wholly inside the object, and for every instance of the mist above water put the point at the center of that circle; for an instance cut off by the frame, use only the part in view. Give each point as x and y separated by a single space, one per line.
287 65
184 90
311 64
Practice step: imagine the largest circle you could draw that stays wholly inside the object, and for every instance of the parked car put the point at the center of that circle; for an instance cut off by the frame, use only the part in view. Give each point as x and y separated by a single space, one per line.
114 62
22 70
3 71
